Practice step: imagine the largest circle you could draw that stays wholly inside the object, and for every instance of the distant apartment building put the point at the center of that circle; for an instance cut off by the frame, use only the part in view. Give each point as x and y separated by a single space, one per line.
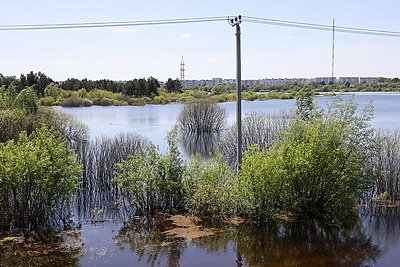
325 80
216 81
349 79
279 81
368 79
358 79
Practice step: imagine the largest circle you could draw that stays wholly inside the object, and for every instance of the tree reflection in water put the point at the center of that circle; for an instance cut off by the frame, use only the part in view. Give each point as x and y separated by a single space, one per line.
144 236
199 143
283 243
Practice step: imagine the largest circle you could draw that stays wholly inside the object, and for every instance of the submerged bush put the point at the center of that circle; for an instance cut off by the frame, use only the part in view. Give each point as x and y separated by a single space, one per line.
202 116
102 102
151 181
386 165
316 168
99 158
37 176
76 102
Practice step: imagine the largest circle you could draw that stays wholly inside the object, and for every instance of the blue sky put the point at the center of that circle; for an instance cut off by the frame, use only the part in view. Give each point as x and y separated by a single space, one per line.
124 53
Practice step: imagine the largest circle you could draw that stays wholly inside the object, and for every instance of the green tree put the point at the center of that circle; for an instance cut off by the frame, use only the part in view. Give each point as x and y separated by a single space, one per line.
53 90
152 85
173 86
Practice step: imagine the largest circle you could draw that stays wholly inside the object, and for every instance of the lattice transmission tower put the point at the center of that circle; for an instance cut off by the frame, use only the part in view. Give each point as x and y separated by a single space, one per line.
182 77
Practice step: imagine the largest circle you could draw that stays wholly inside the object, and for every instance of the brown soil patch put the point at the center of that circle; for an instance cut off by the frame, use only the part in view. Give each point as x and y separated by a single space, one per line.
188 228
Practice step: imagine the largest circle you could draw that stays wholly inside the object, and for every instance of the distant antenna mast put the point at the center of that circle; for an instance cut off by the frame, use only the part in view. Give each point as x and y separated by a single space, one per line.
182 70
333 50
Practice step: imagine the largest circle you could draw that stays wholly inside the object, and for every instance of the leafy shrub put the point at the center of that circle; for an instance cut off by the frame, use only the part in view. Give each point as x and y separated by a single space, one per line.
316 168
7 96
12 122
46 101
119 103
209 187
151 181
37 176
98 93
26 100
160 99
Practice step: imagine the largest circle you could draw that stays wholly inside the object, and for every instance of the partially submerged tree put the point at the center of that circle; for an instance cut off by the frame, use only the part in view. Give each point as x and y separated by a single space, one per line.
202 116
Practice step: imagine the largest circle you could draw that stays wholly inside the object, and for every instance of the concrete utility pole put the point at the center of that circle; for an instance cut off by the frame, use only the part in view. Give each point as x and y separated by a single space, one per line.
333 50
236 23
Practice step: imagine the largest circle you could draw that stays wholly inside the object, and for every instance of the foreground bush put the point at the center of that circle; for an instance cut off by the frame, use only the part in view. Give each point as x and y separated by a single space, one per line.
209 187
37 176
316 168
152 181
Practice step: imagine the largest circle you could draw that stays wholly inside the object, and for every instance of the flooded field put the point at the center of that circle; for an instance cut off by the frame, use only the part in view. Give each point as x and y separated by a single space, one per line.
104 236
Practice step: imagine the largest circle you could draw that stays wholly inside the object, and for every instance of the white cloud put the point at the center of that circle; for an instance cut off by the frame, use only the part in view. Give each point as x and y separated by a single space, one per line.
127 30
186 35
289 38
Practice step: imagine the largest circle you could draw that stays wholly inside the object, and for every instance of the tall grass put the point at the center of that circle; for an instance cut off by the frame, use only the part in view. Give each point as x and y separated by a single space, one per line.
385 160
99 158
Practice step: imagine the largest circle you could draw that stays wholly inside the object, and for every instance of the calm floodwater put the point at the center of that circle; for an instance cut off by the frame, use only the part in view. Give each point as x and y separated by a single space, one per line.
372 239
153 121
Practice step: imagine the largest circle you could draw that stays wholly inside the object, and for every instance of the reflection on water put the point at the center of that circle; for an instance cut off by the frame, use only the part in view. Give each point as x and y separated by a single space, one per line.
275 244
198 143
372 238
66 252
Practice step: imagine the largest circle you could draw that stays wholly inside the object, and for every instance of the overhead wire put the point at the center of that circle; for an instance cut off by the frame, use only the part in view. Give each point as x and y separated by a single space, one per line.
55 26
321 27
257 20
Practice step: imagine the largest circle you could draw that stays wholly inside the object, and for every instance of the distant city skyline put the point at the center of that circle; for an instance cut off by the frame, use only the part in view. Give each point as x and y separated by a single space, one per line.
124 53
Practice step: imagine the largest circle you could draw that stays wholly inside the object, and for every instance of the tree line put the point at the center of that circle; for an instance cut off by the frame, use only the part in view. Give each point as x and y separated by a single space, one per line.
134 88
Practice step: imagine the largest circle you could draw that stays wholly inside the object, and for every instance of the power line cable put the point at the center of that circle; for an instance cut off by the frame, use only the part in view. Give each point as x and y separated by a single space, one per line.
56 26
322 27
258 20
